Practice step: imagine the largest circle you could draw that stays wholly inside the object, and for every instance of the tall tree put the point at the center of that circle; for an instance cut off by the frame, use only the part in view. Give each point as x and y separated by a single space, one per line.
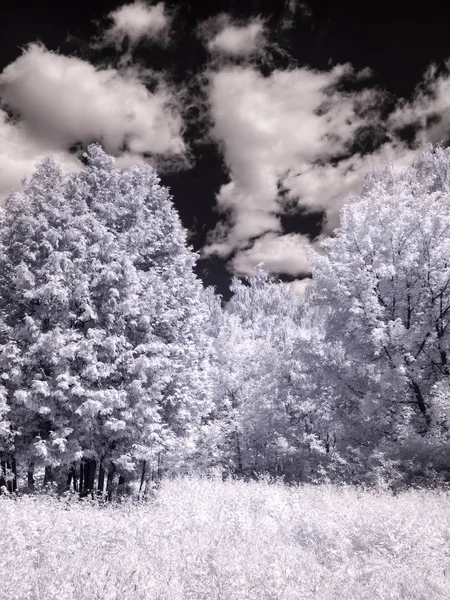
265 411
104 354
384 287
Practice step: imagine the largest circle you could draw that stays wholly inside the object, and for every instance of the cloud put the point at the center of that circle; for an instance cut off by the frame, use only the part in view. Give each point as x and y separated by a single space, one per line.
330 185
136 22
19 152
238 40
274 131
294 7
278 254
429 110
286 140
287 137
58 101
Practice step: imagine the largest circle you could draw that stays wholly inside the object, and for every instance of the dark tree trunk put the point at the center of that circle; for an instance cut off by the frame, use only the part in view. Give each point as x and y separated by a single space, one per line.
2 473
89 468
72 478
421 402
30 476
101 481
90 477
144 465
159 468
14 472
49 476
75 478
121 486
81 482
238 453
110 483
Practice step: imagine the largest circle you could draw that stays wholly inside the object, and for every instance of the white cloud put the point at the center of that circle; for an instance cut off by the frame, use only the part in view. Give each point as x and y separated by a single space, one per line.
429 109
275 131
278 254
65 99
329 186
282 131
138 21
271 130
239 40
19 152
61 100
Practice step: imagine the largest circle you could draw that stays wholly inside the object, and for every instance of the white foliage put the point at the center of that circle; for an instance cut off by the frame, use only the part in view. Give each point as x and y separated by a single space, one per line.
383 287
103 317
256 541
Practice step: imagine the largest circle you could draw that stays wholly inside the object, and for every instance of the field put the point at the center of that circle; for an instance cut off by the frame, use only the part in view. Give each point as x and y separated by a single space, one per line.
209 539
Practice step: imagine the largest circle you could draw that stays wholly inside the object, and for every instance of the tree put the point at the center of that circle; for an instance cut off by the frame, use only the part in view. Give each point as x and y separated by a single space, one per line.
384 286
264 411
103 353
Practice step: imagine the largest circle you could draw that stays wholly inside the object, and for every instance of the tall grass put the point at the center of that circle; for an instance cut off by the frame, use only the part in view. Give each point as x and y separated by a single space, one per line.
208 539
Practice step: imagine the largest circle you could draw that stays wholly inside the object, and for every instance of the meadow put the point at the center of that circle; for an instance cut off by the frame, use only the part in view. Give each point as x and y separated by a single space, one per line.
208 539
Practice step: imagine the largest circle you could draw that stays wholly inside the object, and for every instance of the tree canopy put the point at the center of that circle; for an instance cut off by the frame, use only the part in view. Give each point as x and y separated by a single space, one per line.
117 365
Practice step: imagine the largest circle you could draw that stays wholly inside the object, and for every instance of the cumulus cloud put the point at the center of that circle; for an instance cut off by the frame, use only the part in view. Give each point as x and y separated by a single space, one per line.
285 140
58 101
329 186
238 40
19 152
136 22
275 129
429 110
286 137
277 253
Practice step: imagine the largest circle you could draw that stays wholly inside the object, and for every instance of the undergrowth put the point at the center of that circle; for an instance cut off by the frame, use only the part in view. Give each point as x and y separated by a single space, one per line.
212 539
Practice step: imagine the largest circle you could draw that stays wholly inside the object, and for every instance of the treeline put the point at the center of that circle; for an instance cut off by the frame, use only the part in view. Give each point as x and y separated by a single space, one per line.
117 366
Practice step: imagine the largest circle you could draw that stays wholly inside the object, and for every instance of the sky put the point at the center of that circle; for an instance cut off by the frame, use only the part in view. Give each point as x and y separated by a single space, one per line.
262 116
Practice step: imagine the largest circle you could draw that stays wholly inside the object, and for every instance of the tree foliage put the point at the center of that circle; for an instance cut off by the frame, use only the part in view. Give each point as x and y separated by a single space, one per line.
116 364
103 353
384 285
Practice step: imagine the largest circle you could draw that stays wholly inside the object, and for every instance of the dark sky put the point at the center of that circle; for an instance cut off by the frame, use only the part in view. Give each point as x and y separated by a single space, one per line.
398 43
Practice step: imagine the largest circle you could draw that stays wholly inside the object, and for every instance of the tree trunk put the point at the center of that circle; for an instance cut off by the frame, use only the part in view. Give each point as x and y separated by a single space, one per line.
121 486
8 481
48 475
90 479
8 467
144 465
110 483
2 473
238 453
420 402
72 478
101 481
13 482
81 482
30 476
89 468
159 468
75 478
69 478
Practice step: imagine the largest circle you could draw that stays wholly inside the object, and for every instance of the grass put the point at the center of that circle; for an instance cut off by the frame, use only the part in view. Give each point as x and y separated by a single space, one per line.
208 539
